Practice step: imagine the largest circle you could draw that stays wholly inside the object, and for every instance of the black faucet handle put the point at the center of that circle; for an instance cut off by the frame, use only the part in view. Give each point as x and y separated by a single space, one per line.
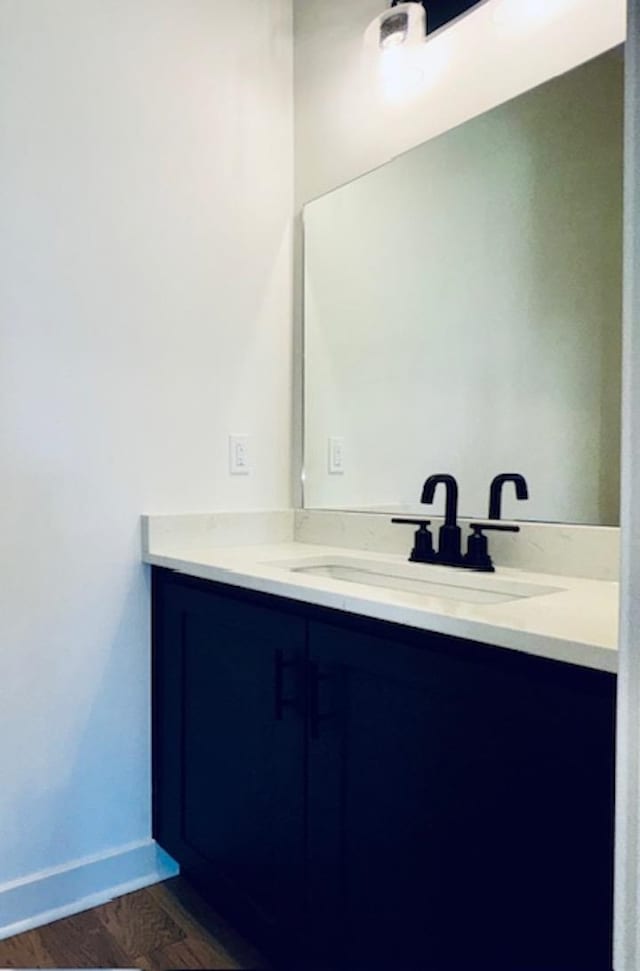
478 548
412 522
422 551
496 527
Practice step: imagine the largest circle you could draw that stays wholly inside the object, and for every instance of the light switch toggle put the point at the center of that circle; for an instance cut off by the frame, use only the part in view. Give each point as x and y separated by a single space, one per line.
239 455
336 456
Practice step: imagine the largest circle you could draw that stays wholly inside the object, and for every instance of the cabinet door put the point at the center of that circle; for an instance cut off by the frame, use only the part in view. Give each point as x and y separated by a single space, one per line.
385 782
229 759
459 805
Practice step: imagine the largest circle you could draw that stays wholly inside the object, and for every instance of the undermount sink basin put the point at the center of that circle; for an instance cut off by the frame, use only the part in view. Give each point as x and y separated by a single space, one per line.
430 581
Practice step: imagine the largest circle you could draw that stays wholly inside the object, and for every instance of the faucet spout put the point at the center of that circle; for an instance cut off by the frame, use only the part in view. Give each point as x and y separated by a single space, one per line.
495 492
451 507
449 544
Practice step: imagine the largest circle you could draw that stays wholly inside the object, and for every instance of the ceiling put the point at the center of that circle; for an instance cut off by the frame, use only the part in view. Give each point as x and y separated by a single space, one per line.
440 12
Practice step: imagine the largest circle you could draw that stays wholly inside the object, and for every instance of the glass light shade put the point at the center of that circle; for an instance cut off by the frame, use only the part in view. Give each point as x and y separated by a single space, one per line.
394 29
404 25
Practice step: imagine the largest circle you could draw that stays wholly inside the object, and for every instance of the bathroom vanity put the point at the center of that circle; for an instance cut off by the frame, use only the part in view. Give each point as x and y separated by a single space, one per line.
366 762
353 791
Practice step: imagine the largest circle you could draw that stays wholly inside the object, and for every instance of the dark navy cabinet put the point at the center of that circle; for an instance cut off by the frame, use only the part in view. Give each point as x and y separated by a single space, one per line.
357 794
229 769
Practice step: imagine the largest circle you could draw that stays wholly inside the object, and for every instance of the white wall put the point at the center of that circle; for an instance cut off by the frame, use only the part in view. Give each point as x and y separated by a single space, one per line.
145 312
463 311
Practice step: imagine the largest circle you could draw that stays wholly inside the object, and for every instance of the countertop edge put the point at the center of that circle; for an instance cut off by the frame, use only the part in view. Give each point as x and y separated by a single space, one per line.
582 654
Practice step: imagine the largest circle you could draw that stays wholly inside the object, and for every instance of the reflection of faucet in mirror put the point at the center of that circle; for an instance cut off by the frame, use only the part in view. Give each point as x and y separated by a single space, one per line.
495 492
449 542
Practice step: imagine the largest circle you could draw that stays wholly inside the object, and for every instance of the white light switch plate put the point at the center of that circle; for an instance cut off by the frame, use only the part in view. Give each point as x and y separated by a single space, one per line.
336 456
239 455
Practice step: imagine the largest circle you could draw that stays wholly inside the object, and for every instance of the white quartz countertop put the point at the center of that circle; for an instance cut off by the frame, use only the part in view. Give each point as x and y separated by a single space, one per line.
578 623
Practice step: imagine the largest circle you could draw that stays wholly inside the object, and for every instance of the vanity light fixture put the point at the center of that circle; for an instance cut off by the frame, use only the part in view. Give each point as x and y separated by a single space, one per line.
398 61
406 24
394 45
402 25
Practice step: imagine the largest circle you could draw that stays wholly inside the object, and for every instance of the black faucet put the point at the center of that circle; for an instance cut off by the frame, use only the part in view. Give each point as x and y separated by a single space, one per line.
450 535
495 492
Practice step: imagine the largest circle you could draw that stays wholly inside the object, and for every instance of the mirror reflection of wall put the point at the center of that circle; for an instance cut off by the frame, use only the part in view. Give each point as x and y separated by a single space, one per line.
463 312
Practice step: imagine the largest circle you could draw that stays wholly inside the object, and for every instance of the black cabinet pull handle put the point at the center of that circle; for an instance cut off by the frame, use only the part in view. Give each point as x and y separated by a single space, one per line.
280 702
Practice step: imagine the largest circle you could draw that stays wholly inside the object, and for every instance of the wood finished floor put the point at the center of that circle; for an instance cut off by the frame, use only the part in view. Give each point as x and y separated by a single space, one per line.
164 926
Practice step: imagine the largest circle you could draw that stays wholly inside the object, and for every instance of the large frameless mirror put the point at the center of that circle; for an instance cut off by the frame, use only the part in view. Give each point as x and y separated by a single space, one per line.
463 313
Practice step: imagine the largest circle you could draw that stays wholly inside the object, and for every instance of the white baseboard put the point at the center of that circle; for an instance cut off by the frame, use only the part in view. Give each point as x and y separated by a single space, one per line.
51 894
